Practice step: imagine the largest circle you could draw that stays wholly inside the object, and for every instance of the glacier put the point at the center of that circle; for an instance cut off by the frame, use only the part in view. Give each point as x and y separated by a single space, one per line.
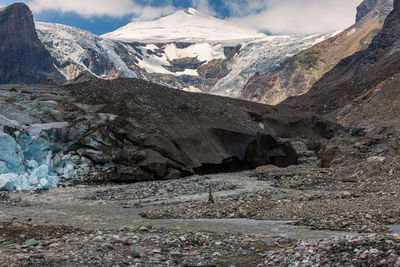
259 57
67 45
185 26
31 156
154 61
25 165
182 55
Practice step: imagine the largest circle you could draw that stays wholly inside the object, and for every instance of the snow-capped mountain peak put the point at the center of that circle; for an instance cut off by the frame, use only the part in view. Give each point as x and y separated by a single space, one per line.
190 11
188 25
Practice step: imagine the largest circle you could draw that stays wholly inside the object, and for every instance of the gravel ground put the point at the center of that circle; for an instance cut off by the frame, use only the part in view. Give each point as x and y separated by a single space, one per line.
165 189
360 206
6 201
351 187
357 191
336 213
358 250
27 245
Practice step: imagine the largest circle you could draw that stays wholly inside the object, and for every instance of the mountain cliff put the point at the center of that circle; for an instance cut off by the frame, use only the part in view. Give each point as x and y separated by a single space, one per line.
24 59
297 75
364 86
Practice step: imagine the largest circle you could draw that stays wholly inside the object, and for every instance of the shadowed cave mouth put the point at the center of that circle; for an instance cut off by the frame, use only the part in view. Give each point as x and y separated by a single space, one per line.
254 150
258 150
235 165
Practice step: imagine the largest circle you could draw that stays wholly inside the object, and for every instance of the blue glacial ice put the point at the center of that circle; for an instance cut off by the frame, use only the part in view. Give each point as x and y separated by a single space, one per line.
28 158
11 156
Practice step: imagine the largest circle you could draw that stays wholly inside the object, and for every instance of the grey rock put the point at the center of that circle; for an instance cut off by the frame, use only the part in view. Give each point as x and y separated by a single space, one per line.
98 239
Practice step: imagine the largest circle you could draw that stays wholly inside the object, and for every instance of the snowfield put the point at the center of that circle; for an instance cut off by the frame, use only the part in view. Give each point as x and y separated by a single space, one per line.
187 25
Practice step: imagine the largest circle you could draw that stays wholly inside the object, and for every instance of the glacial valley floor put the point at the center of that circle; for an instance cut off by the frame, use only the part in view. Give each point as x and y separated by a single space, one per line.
301 215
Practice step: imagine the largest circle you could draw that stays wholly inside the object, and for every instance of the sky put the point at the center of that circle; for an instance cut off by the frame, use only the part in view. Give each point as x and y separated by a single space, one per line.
270 16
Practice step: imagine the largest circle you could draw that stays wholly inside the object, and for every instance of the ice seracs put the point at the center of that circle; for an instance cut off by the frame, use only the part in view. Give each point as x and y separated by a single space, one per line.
188 25
29 159
75 50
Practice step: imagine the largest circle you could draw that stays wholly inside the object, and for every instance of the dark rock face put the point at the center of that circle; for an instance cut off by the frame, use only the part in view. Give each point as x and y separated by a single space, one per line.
129 130
358 73
23 57
364 8
152 132
180 65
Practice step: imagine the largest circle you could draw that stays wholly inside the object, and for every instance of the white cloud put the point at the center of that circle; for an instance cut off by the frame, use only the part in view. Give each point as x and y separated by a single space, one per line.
276 16
294 16
240 8
86 8
203 6
149 12
113 8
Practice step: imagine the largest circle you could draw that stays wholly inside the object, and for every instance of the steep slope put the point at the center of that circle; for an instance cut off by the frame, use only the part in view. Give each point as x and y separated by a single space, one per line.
75 50
178 65
377 108
370 72
187 25
366 7
297 75
23 57
261 57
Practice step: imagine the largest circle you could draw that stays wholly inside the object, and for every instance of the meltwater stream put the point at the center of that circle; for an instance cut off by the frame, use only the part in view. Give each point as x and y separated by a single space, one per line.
71 207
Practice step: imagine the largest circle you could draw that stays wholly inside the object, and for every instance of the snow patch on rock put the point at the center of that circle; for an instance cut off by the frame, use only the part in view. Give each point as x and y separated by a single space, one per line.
155 59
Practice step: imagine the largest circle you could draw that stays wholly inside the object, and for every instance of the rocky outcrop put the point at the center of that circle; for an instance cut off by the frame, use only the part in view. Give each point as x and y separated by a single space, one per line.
23 57
376 108
185 133
359 77
364 8
130 130
298 74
